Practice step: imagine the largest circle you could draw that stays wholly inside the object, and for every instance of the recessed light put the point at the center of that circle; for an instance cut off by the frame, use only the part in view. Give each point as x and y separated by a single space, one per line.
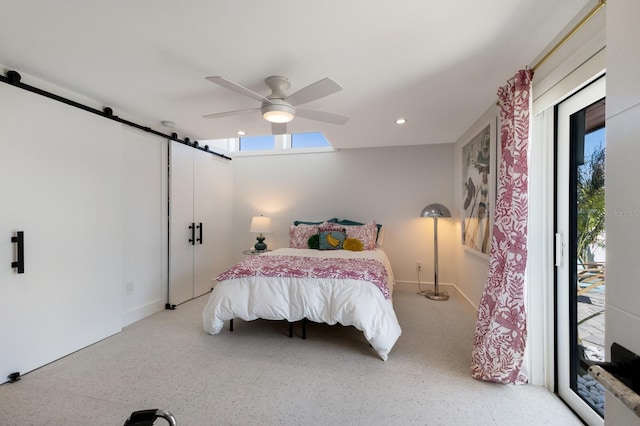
401 121
241 133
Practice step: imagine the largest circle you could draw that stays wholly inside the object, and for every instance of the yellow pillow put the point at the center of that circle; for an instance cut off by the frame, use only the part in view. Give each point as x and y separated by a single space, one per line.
352 244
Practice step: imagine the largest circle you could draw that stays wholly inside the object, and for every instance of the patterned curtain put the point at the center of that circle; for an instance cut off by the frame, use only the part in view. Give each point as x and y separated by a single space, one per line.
501 332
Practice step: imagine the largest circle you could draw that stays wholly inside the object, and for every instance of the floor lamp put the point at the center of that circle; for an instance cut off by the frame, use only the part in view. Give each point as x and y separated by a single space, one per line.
435 211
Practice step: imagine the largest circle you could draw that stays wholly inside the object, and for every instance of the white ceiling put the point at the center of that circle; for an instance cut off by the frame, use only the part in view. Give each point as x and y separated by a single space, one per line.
436 63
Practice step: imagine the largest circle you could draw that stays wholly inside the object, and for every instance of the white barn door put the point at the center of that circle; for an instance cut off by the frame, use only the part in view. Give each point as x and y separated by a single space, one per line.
60 184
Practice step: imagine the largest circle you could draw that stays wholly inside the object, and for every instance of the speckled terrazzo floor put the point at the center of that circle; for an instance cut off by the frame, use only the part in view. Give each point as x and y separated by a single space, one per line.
258 376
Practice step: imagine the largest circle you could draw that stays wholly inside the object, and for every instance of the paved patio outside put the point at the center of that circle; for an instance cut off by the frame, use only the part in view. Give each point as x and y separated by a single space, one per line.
591 331
591 334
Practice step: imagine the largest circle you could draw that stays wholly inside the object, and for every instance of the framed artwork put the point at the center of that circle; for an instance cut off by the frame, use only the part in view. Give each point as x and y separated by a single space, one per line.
478 191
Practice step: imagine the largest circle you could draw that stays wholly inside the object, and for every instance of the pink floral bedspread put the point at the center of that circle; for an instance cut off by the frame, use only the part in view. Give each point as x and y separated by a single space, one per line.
310 267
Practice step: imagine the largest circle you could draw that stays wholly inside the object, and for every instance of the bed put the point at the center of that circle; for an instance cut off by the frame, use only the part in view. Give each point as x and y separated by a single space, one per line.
336 285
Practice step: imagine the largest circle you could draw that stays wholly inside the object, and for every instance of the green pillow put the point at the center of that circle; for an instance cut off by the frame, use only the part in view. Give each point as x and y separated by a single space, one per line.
314 242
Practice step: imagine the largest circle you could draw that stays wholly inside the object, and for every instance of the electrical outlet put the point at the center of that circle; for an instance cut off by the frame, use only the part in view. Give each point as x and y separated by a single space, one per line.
418 265
128 288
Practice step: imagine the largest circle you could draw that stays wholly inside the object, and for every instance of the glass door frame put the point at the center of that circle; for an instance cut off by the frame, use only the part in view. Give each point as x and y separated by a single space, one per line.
565 337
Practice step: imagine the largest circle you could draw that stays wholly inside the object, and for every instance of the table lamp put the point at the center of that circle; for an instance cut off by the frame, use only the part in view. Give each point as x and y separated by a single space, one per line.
260 224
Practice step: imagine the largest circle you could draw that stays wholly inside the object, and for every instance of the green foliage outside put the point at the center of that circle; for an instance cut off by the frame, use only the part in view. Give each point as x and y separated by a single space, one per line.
591 205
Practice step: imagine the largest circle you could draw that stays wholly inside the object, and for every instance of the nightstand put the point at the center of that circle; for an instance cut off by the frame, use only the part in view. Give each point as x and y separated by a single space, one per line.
252 252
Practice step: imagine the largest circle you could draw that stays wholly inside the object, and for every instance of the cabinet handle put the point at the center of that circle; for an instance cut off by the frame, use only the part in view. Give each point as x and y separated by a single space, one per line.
19 239
192 240
200 228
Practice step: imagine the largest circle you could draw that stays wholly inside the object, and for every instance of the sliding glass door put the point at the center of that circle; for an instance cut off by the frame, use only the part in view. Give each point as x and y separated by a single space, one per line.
580 248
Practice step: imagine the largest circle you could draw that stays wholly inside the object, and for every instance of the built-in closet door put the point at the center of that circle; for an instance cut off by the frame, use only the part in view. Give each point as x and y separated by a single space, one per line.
220 231
204 214
195 221
181 231
61 185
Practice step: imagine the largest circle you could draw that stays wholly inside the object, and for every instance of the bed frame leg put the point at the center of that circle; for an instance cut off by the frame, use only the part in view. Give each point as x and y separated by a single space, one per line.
231 324
290 328
304 328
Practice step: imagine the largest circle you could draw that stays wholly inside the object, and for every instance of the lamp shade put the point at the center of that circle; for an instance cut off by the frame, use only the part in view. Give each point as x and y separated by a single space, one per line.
260 224
435 210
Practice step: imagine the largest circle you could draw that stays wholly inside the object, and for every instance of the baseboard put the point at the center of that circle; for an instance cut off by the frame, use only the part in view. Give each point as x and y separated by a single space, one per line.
140 312
452 289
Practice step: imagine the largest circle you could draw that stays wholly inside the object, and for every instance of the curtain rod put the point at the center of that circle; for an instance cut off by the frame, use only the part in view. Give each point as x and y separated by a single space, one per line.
13 78
591 14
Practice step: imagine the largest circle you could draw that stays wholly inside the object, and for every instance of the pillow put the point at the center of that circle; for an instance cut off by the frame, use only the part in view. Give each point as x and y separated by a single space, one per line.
349 222
314 241
352 244
354 223
366 233
299 235
380 240
306 222
331 240
330 226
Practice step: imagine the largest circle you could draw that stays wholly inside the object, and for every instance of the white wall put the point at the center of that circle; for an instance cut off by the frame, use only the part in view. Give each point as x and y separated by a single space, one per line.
145 210
623 173
388 185
472 268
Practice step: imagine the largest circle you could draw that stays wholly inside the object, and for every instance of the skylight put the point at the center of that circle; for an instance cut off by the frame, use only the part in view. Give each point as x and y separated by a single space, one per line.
272 144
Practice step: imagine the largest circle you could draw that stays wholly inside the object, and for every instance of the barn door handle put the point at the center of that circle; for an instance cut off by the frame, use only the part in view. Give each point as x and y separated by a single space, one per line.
192 240
19 263
200 228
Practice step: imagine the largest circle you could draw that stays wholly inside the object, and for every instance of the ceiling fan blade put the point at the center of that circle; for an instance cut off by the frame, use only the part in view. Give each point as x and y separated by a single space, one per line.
278 128
229 113
317 90
237 88
327 117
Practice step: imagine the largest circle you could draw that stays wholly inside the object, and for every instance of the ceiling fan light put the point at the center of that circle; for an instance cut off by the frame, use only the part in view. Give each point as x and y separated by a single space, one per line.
278 116
278 113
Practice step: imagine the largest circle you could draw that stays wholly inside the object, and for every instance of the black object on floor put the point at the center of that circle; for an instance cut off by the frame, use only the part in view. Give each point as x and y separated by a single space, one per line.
148 417
584 299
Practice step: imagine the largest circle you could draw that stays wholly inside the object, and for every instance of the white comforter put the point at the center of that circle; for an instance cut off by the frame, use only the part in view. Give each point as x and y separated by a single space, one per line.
346 301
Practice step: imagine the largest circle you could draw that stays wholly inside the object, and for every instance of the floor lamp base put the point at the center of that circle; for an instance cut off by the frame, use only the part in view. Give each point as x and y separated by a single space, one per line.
441 295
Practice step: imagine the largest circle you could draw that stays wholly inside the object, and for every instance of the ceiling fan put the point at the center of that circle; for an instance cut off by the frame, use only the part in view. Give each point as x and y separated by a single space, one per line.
279 108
